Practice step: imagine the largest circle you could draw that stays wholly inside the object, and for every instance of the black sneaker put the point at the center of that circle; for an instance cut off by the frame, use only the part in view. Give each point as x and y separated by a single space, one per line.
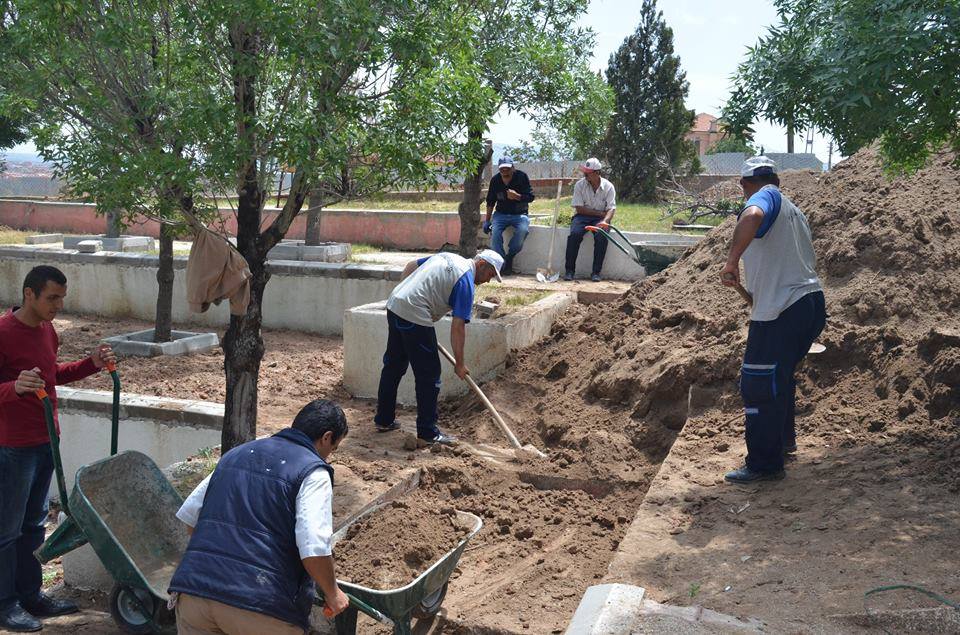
595 277
568 276
441 438
46 606
746 475
790 449
16 620
389 427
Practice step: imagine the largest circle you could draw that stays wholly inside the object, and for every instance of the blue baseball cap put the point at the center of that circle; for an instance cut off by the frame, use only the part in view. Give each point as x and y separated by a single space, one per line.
505 162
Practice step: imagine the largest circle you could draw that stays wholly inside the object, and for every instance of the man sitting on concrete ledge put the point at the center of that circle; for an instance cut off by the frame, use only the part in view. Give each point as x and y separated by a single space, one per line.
429 289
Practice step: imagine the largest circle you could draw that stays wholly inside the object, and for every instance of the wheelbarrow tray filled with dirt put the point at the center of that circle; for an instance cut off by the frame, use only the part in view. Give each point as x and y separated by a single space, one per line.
423 596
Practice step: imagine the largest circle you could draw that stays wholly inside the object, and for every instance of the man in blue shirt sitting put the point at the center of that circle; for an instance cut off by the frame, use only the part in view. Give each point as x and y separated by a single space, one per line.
511 193
429 289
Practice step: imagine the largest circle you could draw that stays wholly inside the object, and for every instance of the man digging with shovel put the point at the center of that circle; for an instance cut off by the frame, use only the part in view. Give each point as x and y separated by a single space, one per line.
773 238
429 289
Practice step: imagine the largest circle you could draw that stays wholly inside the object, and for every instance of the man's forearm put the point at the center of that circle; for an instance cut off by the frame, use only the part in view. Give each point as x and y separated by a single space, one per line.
489 212
321 569
458 336
608 215
589 211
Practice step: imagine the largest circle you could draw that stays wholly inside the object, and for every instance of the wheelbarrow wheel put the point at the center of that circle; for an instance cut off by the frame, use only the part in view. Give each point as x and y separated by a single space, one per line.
126 611
430 605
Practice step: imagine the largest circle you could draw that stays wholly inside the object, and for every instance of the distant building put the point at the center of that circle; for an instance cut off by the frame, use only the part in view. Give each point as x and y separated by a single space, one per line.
706 132
729 163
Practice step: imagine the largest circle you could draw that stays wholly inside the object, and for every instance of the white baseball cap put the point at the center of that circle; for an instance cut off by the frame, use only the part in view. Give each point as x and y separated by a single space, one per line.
494 259
758 166
591 165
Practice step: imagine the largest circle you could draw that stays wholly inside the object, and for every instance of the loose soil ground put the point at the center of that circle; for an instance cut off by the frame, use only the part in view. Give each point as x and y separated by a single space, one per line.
870 499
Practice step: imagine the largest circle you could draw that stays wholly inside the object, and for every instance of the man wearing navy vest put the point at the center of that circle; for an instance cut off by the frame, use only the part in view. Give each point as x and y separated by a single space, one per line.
773 239
429 289
261 527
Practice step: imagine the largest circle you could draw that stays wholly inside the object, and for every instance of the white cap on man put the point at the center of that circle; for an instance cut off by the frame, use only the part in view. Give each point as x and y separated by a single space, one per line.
591 165
494 259
505 162
758 166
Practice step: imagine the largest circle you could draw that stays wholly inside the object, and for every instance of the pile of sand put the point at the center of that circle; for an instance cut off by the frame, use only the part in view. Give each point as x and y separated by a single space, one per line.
614 380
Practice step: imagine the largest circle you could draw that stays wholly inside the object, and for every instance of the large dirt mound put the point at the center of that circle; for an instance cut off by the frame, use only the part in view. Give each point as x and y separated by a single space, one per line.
615 380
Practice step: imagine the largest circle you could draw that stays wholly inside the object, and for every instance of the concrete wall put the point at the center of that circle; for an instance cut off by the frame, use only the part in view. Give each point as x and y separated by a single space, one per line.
166 430
392 229
616 266
304 296
488 344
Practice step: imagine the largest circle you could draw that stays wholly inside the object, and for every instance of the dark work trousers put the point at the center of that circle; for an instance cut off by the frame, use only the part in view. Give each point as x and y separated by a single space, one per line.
25 475
409 343
767 382
578 227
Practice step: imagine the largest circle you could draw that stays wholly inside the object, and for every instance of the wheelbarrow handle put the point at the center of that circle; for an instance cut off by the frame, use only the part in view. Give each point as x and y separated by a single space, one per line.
602 229
54 447
363 607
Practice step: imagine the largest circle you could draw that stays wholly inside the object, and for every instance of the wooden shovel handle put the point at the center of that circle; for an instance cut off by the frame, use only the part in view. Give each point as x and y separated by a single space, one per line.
486 402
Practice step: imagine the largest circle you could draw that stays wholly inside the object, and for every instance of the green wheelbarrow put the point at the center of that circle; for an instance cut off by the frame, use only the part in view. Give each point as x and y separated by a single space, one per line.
125 508
652 256
420 599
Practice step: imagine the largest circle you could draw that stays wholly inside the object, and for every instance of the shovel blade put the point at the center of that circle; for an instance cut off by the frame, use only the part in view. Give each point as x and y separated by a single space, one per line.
547 276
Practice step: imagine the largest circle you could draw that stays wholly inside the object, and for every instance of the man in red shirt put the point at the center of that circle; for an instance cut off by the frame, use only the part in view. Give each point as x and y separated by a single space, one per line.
28 362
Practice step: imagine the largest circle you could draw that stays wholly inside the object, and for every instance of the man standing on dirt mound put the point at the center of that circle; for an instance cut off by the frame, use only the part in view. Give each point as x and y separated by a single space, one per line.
429 289
773 238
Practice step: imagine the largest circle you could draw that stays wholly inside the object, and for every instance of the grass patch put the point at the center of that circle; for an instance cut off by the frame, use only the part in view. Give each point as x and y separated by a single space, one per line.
509 299
363 248
10 236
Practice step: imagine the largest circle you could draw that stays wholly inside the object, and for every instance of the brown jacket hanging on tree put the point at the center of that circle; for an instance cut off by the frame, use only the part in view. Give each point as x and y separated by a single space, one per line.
216 271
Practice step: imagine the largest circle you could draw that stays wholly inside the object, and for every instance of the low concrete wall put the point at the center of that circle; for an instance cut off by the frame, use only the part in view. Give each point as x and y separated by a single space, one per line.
488 344
391 229
616 266
166 430
304 296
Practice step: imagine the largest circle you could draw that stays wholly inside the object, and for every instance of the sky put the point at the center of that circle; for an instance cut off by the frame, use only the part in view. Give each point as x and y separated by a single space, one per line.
710 36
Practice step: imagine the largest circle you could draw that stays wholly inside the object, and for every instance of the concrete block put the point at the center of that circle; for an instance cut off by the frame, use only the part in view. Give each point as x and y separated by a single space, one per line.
489 343
89 246
299 250
141 344
44 239
608 609
123 243
284 251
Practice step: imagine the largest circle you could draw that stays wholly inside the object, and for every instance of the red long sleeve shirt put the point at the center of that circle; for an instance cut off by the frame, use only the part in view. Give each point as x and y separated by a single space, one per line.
22 348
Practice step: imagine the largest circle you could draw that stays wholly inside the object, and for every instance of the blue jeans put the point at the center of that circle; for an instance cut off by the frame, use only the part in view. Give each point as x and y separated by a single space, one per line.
416 346
25 475
578 228
521 227
767 382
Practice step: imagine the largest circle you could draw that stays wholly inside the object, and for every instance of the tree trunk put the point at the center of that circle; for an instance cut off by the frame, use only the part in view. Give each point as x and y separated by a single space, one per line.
243 343
313 218
791 131
165 275
469 208
113 225
243 351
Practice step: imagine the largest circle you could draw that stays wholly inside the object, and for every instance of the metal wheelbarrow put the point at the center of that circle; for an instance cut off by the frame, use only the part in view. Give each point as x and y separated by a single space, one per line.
125 508
647 255
419 599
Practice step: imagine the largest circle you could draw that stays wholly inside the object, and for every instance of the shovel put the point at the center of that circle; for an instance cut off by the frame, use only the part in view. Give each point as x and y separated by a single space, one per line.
548 274
493 411
815 348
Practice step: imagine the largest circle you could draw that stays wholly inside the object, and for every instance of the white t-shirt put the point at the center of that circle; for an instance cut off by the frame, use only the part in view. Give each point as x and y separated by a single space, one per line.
314 505
603 199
